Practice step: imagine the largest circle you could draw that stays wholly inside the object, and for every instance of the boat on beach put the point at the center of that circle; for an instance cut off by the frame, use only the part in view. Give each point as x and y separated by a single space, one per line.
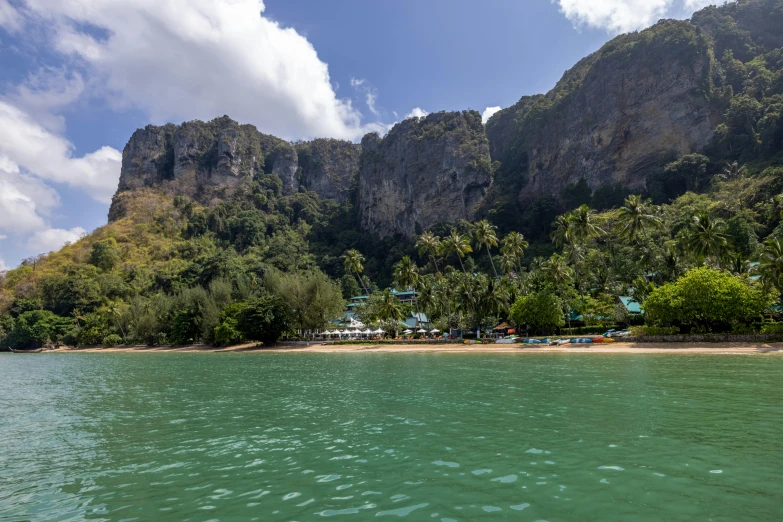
38 350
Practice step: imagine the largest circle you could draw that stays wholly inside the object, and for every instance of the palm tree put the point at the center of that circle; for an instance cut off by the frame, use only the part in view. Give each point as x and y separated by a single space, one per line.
558 272
672 263
636 216
583 224
457 244
575 256
389 307
353 264
514 245
771 266
707 238
484 233
562 233
406 276
508 264
429 244
732 171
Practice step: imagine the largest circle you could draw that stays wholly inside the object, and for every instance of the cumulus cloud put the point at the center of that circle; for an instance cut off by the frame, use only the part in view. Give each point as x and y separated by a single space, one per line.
488 113
418 112
186 59
34 150
53 239
3 266
24 200
620 16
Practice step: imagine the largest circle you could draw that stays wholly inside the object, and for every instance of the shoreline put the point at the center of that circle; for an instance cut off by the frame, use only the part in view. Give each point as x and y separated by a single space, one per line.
616 348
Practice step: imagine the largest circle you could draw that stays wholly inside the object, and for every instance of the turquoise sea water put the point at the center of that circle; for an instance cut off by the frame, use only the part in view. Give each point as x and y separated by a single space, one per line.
297 437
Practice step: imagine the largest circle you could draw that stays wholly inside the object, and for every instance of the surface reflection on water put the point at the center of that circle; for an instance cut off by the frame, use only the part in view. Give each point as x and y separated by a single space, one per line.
417 436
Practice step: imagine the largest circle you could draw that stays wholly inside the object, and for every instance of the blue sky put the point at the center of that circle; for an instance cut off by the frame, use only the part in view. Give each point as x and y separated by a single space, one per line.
79 76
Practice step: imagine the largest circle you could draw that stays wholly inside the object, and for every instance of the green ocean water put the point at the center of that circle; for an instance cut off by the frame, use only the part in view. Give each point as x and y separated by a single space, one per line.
297 437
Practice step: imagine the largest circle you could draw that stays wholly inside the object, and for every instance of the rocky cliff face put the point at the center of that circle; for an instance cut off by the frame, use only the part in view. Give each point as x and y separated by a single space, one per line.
425 171
640 101
329 167
210 160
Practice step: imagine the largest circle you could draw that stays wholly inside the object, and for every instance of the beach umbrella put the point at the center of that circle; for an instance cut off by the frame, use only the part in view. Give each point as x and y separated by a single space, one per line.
434 331
378 331
367 332
408 332
422 331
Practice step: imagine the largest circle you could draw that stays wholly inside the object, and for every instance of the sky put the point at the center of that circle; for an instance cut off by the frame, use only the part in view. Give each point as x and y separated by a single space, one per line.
78 77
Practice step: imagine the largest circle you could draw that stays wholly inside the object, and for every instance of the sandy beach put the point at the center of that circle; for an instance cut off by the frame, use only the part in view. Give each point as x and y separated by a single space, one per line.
516 349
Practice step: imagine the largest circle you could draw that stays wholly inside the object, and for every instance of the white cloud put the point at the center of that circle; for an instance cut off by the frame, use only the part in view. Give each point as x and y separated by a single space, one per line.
43 92
488 113
186 59
356 82
418 112
620 16
3 266
9 17
3 236
24 200
29 146
53 239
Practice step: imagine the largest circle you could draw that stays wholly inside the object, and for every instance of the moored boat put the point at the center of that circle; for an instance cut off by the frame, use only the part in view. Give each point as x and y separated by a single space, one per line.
38 350
581 340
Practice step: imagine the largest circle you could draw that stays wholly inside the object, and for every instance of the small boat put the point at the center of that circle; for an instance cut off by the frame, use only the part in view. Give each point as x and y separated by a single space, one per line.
536 341
38 350
581 340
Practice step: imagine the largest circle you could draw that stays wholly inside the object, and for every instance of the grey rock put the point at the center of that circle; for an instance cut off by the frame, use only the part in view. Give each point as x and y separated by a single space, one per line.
424 172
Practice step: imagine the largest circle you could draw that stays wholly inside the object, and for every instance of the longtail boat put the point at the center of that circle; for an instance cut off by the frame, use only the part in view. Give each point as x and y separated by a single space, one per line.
38 350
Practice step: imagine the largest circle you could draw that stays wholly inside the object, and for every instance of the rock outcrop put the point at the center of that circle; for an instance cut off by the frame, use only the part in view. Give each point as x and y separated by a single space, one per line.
425 171
210 160
329 167
640 101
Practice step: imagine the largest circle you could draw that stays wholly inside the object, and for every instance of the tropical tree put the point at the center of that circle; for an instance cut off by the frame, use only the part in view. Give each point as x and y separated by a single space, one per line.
707 238
771 264
514 246
732 171
353 264
635 217
562 231
557 272
584 224
484 234
406 276
457 244
429 244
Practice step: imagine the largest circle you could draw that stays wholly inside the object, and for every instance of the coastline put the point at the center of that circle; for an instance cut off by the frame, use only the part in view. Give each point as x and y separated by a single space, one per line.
517 349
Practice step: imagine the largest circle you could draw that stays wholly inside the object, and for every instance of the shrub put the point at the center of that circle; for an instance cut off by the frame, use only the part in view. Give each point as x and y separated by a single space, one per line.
586 330
642 331
772 328
112 340
708 300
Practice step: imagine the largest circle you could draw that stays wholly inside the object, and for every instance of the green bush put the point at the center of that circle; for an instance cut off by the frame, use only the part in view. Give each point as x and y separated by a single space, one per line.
586 330
112 340
708 300
642 331
772 328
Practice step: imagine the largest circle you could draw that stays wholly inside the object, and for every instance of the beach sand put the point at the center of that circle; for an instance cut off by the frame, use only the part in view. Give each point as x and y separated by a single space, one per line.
516 349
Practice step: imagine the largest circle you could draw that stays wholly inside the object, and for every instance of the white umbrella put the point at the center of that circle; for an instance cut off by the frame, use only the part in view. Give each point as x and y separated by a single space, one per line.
378 331
367 332
435 331
422 331
408 332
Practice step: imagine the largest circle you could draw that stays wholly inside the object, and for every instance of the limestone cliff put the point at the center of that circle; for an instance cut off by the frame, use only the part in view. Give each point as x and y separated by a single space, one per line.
328 167
641 100
425 171
208 161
